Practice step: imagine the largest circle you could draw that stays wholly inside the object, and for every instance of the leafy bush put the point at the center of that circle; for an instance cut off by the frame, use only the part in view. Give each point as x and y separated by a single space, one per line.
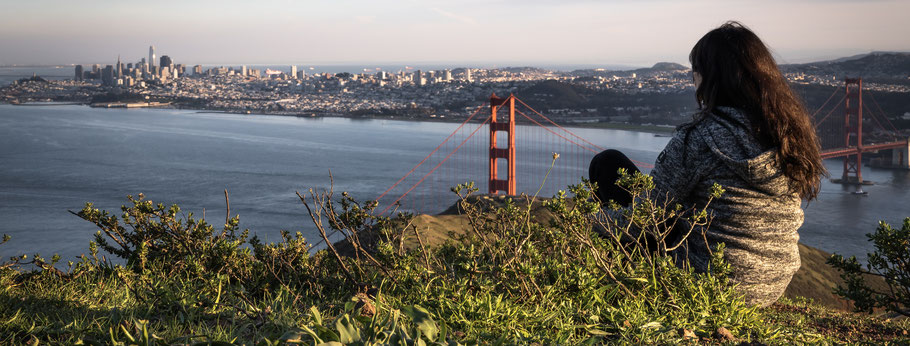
890 261
524 271
153 233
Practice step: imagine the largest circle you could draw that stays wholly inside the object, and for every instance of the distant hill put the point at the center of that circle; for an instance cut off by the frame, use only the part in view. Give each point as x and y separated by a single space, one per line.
664 66
557 94
644 71
883 66
890 67
523 69
859 56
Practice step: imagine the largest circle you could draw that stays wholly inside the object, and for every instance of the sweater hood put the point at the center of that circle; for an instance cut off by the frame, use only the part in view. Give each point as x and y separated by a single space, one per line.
729 136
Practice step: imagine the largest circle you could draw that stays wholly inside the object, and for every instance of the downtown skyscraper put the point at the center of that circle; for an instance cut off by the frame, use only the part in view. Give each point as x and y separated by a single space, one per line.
151 56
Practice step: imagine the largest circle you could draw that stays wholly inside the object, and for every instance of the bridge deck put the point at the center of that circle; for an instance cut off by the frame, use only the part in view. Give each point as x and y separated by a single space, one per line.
839 152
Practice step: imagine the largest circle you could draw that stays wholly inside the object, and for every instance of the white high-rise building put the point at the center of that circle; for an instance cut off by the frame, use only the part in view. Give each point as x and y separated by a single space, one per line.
293 71
151 56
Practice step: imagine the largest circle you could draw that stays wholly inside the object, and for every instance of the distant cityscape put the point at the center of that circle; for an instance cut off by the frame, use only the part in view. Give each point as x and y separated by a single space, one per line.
661 94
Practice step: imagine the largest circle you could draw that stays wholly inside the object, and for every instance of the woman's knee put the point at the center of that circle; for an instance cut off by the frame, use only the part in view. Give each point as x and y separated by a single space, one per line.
609 155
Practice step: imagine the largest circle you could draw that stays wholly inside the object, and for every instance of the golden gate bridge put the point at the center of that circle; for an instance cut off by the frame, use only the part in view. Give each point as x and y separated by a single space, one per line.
511 149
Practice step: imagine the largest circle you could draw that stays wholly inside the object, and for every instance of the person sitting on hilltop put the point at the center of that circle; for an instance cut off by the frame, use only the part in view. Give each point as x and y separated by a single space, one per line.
753 137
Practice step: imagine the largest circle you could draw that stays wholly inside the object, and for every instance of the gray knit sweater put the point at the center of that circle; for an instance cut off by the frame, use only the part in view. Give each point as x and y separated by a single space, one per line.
757 217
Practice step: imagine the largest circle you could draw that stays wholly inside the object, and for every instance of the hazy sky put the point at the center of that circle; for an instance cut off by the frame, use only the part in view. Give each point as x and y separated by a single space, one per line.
469 32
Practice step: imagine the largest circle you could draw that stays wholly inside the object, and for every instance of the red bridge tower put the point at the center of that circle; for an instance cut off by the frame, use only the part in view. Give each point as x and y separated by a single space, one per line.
508 153
853 131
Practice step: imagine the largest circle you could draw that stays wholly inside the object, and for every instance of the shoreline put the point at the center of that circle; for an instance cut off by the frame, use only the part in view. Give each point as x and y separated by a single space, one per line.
657 130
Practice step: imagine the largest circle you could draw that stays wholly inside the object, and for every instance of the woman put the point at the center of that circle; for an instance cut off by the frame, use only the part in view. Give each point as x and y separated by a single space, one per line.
752 136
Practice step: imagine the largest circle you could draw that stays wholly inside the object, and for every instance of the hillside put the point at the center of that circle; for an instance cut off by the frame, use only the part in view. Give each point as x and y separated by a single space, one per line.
893 67
815 279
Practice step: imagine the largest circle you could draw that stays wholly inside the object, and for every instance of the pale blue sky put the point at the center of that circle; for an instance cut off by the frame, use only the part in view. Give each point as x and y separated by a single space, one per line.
469 32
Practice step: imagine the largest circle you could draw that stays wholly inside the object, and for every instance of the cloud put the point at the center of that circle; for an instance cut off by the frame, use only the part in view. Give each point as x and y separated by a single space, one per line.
460 18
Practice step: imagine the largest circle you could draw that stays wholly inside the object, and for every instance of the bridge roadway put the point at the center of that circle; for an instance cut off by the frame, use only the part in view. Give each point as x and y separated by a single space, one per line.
839 152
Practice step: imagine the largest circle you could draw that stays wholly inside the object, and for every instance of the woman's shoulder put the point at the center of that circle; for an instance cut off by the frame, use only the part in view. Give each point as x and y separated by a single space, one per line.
725 116
718 123
685 132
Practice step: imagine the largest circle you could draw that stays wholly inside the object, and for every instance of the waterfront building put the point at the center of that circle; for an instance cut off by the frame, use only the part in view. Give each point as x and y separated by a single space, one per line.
151 56
79 73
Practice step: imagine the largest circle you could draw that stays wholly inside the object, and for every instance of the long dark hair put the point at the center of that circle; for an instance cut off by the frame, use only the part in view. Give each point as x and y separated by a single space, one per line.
738 71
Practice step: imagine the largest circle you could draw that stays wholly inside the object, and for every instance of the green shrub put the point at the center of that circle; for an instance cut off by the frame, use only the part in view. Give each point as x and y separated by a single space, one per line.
151 233
525 271
890 260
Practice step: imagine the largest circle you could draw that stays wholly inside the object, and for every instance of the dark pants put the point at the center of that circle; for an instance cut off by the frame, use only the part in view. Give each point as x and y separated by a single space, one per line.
603 171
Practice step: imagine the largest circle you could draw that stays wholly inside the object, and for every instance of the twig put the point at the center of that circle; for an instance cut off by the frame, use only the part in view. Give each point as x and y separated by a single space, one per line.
227 203
372 259
318 223
401 237
426 257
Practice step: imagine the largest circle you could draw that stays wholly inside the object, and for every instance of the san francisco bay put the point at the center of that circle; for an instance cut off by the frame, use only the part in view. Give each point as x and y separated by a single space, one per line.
55 158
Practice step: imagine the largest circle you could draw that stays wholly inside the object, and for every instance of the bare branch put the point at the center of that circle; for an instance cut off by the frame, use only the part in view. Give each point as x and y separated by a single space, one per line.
317 220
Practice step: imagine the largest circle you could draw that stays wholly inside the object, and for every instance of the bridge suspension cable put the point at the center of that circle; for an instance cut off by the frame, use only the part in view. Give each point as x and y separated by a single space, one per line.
875 118
831 111
826 102
432 152
445 167
437 165
882 112
571 133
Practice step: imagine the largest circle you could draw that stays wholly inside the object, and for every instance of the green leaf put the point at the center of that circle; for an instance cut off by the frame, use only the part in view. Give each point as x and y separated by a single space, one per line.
348 332
423 320
317 317
652 325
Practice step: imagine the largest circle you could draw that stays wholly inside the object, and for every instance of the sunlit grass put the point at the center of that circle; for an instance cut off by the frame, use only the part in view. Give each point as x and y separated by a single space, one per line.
508 278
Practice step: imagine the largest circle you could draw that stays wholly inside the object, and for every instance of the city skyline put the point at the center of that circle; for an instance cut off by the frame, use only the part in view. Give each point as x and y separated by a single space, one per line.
411 32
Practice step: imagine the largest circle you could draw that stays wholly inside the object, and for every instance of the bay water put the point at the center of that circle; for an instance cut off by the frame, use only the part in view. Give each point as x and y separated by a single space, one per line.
54 159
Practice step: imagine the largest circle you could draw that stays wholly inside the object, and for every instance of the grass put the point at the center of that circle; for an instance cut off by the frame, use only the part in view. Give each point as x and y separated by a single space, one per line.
804 320
492 270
